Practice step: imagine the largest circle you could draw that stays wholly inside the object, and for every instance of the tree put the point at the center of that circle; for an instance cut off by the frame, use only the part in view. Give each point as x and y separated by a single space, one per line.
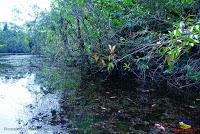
115 36
5 28
12 39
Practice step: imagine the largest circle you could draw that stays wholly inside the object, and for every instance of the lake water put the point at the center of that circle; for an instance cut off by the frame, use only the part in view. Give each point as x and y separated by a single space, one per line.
24 106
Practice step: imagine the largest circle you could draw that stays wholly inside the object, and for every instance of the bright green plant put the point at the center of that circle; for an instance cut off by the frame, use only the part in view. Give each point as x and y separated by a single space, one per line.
126 67
185 36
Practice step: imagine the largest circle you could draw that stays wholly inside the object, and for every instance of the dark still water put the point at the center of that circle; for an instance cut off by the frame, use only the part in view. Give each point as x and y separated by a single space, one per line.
28 103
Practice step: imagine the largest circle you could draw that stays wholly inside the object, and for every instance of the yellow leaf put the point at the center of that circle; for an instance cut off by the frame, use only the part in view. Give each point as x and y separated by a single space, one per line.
184 126
102 62
96 56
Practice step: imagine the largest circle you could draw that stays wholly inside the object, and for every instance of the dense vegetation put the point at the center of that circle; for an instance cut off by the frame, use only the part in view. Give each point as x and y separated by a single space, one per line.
123 63
13 39
152 41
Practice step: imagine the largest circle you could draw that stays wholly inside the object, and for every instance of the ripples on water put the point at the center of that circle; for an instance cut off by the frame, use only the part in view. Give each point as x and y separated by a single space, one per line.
14 97
23 105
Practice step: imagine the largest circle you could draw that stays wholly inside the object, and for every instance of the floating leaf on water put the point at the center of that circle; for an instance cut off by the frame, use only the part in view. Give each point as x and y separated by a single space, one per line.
197 99
154 105
129 99
113 97
146 91
160 127
191 107
152 90
103 108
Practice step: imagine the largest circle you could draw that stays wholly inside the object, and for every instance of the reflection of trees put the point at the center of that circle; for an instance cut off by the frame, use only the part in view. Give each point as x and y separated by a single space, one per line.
15 66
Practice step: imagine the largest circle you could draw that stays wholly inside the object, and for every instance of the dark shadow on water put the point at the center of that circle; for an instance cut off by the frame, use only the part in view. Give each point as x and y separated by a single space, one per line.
122 106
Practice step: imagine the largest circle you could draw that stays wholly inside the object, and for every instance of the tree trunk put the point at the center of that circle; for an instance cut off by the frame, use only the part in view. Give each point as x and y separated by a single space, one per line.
64 37
83 56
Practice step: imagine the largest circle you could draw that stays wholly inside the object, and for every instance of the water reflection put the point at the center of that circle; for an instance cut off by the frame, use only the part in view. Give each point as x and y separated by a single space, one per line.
24 108
14 97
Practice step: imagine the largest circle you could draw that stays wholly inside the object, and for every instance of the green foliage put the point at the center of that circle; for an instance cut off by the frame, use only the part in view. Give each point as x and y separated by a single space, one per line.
185 36
110 66
195 75
127 67
106 32
170 9
12 39
58 78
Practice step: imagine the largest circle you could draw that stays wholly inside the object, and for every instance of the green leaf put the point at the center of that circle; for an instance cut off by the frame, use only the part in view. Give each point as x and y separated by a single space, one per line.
197 27
110 66
168 71
126 67
168 62
176 33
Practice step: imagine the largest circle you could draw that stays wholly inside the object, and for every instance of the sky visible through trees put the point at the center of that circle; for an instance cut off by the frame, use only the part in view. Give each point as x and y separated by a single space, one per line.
8 7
